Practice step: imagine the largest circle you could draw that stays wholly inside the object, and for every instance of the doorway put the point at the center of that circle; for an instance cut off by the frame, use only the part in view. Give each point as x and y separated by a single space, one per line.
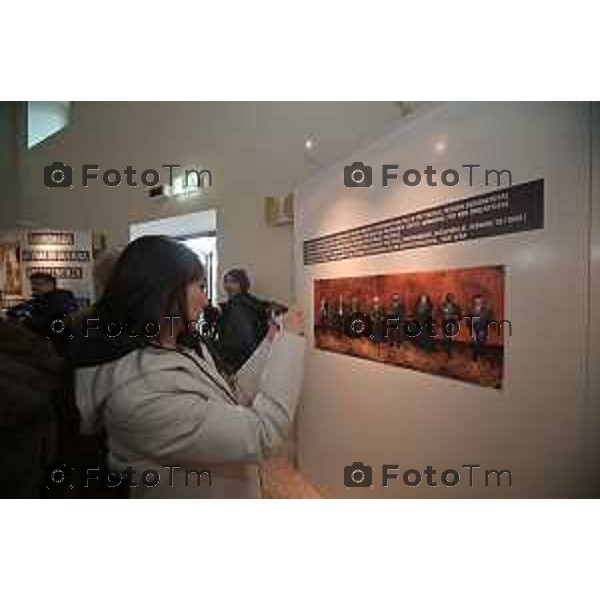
198 231
205 247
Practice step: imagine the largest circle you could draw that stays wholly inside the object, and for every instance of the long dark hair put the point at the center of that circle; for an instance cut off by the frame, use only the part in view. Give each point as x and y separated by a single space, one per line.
149 282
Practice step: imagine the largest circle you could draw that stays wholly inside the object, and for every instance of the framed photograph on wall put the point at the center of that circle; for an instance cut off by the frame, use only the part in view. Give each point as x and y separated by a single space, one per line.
10 270
448 322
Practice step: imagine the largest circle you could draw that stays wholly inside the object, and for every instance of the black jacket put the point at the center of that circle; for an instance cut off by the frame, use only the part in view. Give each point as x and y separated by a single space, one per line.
32 412
39 311
243 324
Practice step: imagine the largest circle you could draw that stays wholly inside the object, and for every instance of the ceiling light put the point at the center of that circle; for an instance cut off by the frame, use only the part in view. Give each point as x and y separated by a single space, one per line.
440 146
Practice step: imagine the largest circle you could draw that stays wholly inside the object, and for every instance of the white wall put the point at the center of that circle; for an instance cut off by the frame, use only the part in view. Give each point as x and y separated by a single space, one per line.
590 416
536 426
254 149
186 225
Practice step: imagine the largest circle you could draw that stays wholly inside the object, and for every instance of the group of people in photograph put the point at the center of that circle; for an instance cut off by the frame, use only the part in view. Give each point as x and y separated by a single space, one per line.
395 324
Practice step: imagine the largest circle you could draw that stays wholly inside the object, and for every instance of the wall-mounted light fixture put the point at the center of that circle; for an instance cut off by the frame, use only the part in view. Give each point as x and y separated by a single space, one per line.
279 210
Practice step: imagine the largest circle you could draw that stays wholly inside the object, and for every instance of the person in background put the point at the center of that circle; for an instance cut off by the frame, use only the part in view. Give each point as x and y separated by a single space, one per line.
396 313
339 316
104 265
244 320
31 379
424 314
378 319
210 316
480 317
324 314
451 316
162 400
46 303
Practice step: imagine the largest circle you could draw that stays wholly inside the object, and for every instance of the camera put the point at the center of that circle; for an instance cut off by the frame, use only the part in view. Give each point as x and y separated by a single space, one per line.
358 475
358 175
58 175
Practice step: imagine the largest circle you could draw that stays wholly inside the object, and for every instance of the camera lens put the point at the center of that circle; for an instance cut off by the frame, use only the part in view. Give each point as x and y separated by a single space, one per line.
58 176
357 476
358 178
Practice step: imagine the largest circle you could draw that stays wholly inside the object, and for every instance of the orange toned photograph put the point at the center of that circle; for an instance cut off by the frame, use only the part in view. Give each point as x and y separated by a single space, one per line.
10 269
448 322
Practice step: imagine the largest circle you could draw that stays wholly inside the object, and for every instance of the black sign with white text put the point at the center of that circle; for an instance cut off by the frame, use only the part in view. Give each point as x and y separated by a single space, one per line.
510 210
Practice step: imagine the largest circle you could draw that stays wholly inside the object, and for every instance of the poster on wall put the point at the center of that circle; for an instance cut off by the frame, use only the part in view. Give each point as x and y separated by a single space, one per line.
66 255
449 322
10 270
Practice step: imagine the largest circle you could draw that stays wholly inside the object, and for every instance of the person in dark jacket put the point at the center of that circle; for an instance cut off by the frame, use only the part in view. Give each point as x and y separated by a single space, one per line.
244 320
46 303
480 318
423 314
32 413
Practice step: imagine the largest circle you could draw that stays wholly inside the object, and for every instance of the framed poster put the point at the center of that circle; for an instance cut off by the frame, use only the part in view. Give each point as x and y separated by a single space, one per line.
448 322
10 270
66 255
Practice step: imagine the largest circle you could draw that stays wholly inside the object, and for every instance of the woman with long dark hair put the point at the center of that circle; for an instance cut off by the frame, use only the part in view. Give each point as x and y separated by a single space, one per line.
177 425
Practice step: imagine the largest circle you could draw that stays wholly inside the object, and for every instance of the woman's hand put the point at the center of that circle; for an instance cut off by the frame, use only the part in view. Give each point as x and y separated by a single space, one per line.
272 332
293 321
